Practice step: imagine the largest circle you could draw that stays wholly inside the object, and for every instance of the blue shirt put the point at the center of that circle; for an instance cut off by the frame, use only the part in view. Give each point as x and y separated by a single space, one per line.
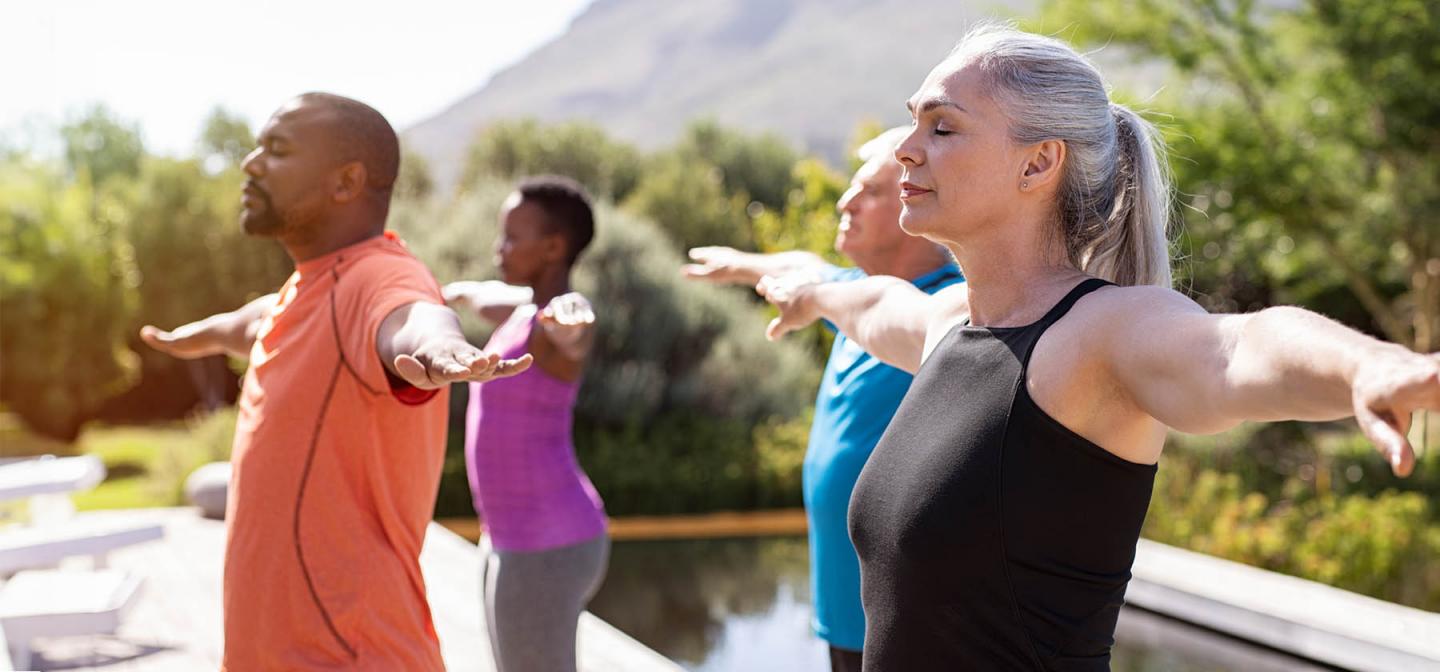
858 395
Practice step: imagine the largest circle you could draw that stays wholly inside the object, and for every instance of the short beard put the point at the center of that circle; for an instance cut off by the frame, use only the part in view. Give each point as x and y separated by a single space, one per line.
265 223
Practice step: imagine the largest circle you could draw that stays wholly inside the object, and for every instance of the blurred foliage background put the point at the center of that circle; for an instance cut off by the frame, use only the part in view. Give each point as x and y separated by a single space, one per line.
1305 144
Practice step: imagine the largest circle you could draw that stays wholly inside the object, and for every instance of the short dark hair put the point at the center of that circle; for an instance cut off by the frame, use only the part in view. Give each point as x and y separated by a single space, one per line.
566 207
362 134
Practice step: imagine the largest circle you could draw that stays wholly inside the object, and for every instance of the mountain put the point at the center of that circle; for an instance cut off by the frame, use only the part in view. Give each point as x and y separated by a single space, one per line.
809 70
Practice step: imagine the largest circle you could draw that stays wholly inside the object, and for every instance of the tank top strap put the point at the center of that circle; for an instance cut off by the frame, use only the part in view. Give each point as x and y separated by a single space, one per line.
1036 330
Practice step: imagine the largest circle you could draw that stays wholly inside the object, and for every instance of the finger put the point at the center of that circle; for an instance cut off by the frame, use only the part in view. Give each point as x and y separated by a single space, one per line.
1384 433
504 369
764 285
158 339
154 336
412 371
701 254
776 329
510 367
575 314
483 364
585 315
696 271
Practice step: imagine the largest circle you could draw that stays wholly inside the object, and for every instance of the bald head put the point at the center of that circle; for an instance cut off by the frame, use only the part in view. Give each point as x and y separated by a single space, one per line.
358 133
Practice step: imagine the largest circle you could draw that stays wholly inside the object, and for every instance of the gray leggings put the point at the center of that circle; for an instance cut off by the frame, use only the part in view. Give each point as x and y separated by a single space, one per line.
533 602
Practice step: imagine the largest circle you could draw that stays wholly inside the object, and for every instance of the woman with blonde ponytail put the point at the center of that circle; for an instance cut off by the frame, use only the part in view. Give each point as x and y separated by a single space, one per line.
996 521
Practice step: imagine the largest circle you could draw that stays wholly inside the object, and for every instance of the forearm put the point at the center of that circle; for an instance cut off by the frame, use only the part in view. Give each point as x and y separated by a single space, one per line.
1291 364
483 297
753 266
226 333
245 326
791 262
885 316
414 328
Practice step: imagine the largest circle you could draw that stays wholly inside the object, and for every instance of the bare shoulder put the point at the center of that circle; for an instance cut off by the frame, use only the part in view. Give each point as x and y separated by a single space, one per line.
1123 329
1123 308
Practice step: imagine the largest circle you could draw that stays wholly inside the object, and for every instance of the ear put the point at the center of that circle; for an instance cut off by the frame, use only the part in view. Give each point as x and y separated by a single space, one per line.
555 247
350 182
1041 165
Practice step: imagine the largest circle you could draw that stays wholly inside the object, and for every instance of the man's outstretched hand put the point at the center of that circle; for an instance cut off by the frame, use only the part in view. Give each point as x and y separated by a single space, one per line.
190 341
455 361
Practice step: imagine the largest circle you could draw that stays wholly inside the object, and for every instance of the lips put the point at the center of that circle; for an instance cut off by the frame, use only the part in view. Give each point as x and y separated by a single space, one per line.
251 195
909 190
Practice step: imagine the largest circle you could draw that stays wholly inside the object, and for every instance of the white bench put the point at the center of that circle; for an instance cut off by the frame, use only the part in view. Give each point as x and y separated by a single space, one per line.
45 546
48 475
37 604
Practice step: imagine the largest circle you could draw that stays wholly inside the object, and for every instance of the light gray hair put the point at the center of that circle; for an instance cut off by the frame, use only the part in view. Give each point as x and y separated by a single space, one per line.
1113 203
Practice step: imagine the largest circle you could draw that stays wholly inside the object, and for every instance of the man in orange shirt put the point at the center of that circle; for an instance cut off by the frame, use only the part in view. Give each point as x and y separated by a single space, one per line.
341 433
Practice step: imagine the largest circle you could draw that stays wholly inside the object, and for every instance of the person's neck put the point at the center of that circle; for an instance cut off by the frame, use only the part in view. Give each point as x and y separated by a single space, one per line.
1013 281
331 235
552 283
909 261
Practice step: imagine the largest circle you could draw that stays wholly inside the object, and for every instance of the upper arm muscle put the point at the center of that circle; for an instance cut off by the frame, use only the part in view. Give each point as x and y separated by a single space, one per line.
1169 356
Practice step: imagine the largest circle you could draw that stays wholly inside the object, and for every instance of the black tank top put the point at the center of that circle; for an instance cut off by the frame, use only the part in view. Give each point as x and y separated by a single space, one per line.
991 537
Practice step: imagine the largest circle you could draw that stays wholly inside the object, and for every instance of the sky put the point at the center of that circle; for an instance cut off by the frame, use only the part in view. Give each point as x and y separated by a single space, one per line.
166 64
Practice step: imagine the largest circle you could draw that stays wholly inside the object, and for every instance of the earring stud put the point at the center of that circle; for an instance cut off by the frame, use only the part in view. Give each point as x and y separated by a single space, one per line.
1024 185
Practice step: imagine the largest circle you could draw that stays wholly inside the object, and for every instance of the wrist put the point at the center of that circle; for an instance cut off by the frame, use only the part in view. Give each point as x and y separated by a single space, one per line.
1371 354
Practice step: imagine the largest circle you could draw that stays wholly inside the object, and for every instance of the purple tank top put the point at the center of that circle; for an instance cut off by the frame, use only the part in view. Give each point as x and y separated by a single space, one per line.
528 487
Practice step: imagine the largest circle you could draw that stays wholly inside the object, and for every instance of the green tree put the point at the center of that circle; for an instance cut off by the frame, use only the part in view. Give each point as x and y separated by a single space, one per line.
101 146
688 199
225 138
808 221
1308 140
67 284
192 257
579 150
757 166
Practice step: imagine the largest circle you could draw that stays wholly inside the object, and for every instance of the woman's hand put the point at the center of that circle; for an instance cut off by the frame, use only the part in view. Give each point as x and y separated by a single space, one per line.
567 320
1388 388
790 293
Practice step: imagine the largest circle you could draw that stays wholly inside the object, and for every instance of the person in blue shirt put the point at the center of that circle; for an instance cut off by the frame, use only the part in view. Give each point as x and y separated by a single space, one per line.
858 394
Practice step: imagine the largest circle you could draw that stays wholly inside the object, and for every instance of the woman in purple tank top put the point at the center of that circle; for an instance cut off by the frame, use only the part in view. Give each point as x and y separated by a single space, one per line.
545 528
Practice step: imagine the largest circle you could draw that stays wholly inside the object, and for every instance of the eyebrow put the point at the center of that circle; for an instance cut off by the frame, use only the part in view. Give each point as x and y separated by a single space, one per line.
933 103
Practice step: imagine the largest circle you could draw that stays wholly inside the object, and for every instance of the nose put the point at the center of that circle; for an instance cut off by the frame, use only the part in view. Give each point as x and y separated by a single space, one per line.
908 152
251 164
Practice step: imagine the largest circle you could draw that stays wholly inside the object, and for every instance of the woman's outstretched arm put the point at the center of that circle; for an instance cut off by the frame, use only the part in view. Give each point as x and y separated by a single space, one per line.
491 300
1203 373
888 317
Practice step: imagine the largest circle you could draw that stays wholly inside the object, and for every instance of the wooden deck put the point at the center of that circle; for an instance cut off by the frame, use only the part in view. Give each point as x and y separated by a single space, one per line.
176 625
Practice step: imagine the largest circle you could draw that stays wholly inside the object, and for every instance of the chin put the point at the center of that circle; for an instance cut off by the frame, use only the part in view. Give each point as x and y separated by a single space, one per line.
261 224
914 224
